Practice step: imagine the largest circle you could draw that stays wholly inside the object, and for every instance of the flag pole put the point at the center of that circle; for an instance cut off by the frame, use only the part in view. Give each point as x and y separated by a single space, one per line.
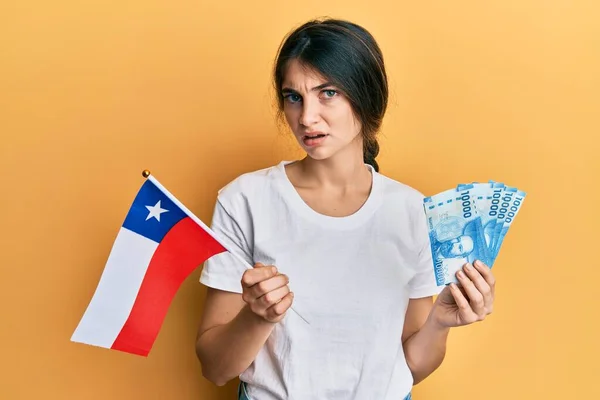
148 175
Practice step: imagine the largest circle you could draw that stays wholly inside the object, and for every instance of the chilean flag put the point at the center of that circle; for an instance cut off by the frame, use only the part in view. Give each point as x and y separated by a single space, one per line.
158 246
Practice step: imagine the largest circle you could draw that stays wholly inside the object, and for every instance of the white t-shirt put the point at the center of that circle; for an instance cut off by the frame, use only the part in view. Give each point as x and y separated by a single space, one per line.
352 278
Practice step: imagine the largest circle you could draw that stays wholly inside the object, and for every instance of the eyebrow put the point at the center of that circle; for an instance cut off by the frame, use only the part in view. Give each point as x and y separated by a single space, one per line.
319 87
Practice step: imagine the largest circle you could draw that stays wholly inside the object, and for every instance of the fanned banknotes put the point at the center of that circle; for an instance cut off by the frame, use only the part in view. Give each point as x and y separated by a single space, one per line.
469 223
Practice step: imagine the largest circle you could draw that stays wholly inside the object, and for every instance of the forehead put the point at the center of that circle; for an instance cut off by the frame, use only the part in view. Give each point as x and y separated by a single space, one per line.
301 76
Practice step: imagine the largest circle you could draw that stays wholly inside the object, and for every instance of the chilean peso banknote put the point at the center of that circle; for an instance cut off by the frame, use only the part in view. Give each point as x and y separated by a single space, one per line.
516 200
469 223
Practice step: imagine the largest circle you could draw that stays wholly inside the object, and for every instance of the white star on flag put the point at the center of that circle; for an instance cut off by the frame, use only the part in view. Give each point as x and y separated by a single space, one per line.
155 211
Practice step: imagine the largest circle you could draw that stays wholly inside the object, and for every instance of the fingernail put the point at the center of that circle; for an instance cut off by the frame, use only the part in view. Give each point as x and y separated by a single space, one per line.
478 263
468 267
460 274
273 270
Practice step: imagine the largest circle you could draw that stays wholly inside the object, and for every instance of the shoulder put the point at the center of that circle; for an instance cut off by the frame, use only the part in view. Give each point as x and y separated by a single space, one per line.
248 185
400 193
406 204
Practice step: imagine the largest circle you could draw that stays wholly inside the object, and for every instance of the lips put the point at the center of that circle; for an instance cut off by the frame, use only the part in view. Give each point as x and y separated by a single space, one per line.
314 135
314 138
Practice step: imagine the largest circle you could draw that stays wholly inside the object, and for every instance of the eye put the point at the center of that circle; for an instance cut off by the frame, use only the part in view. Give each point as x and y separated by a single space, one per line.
329 93
292 98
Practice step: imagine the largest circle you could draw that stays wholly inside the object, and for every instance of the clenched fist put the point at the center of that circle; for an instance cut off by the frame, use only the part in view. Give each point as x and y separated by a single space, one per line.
266 292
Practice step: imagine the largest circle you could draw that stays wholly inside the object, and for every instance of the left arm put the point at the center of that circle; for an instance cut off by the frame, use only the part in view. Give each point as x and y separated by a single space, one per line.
428 324
424 342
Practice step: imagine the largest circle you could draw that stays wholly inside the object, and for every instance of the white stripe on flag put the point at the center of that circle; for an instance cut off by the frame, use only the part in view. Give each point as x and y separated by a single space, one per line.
117 290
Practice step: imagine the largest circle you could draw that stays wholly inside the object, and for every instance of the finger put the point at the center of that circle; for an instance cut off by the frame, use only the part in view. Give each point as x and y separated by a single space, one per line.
487 274
257 274
481 285
463 304
462 290
269 285
475 297
276 311
273 297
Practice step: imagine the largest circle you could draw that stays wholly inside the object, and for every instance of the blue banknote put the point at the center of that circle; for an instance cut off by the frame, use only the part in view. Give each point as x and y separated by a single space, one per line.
517 199
455 232
505 200
469 223
487 201
491 216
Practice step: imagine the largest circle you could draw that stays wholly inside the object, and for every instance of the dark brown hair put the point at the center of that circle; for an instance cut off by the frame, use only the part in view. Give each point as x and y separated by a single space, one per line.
349 57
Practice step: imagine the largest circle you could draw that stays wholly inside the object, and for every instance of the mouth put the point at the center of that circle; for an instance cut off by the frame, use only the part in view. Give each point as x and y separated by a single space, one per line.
315 135
314 138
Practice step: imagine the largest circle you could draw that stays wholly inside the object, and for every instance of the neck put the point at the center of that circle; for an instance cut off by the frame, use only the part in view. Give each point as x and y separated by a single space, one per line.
346 168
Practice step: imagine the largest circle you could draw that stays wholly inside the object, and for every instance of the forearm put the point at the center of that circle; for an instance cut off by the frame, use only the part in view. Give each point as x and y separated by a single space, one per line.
425 350
225 351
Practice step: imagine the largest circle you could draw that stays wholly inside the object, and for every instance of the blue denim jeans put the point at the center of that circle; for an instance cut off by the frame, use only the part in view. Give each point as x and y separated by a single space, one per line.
242 392
242 395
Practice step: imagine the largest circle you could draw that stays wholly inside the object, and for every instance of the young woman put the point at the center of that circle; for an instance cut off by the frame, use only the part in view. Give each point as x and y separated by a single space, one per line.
339 303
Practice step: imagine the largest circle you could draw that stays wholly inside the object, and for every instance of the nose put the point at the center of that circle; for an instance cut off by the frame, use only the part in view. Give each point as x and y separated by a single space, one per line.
310 113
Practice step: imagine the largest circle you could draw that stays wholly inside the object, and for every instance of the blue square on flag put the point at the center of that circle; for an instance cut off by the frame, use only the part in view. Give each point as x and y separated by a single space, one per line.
152 213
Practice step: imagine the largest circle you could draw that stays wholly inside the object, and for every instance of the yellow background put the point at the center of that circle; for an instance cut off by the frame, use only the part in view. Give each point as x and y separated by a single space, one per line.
93 92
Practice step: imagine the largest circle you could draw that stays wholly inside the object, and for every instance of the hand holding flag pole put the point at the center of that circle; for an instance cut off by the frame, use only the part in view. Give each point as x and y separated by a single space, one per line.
158 246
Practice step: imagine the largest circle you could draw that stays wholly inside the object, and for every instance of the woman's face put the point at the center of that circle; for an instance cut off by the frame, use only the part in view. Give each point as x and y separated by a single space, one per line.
319 115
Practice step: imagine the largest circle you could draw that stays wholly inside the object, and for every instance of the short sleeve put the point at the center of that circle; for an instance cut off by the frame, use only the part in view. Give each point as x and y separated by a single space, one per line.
423 283
224 271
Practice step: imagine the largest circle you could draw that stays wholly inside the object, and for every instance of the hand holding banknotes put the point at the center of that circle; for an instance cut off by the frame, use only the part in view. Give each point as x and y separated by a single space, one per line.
467 226
471 300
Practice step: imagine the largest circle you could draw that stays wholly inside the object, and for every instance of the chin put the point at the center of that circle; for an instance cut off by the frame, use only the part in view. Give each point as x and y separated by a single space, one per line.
318 154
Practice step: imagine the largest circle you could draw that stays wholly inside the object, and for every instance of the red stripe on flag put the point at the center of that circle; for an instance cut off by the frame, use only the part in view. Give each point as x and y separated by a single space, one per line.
182 250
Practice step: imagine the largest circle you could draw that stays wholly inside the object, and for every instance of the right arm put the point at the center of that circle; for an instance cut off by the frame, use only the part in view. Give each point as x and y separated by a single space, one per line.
235 326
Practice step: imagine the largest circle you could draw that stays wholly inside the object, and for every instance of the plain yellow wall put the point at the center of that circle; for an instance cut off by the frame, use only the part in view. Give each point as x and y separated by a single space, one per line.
93 92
